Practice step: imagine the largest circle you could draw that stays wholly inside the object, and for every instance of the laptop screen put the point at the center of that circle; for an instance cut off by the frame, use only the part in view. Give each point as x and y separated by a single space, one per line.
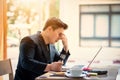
87 68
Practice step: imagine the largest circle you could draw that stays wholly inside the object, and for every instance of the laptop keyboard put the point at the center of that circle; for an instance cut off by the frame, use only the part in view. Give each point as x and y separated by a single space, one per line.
118 75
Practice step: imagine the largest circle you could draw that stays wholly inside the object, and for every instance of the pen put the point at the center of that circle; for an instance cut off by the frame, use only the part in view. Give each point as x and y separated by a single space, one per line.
91 74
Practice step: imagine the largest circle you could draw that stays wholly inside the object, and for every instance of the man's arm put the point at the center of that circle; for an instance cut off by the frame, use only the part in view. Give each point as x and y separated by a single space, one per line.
65 52
57 66
64 42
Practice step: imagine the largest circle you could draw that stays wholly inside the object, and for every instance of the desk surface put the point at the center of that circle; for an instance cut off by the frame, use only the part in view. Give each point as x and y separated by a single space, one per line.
111 75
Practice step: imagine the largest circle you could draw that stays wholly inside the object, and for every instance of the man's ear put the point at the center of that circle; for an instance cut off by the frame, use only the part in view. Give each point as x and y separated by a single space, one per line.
50 28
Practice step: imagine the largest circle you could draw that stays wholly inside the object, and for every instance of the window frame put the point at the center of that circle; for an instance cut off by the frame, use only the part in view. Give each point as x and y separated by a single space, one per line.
109 13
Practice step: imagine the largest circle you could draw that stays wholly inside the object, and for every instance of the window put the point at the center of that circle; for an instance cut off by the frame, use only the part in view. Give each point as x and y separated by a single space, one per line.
100 25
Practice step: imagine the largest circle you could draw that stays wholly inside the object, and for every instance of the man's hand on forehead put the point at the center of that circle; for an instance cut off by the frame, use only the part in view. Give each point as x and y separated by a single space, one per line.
61 35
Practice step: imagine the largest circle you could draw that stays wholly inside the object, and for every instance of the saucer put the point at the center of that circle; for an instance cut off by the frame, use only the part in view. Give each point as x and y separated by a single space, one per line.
69 75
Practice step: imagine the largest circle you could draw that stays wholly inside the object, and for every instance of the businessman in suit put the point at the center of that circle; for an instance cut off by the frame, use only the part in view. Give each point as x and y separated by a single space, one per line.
38 54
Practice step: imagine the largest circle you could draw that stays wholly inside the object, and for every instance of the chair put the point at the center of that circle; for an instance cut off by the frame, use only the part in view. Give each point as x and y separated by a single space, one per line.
6 68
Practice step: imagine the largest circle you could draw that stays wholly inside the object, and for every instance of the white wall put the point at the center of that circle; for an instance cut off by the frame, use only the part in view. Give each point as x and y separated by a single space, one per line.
69 13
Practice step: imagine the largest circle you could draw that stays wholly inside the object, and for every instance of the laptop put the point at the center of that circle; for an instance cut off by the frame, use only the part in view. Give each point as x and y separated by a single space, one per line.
85 68
88 67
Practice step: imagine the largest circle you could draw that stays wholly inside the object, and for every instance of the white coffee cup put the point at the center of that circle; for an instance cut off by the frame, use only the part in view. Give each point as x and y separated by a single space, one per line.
75 71
78 66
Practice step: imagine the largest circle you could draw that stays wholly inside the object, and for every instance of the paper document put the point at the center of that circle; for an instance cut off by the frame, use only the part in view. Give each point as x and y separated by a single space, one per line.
118 75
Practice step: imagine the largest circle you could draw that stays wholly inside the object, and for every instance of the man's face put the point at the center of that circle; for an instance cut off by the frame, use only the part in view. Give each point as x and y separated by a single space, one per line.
55 35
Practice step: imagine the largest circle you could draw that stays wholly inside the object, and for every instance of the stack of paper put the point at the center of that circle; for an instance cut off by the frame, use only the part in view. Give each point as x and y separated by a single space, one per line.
118 75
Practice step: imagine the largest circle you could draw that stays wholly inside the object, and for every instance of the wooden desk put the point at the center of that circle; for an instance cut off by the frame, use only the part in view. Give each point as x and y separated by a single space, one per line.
111 75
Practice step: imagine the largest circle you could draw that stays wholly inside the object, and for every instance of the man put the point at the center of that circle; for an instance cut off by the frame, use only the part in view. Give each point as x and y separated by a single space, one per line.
38 54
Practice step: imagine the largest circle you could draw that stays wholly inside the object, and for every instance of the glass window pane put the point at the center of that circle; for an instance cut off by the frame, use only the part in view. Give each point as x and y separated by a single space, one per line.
87 26
116 8
102 25
115 25
94 8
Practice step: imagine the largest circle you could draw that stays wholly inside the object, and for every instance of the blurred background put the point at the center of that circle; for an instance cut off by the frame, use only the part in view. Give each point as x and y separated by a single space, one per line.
92 24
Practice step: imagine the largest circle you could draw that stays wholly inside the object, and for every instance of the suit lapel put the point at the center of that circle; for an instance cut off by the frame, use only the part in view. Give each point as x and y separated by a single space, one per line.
44 48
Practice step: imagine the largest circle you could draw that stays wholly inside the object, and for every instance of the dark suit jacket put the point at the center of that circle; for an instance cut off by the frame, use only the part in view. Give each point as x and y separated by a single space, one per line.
34 57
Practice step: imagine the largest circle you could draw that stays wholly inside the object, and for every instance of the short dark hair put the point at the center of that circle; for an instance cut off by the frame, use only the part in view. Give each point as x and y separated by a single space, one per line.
55 23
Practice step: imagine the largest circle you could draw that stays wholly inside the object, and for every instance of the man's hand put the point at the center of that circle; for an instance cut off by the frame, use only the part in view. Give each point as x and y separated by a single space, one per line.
55 66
